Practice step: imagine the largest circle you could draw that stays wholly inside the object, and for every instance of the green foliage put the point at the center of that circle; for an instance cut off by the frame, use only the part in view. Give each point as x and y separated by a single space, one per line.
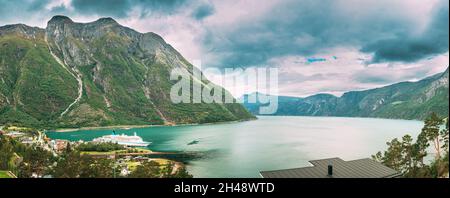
432 133
6 152
168 172
154 170
445 137
146 170
33 159
408 157
16 117
182 173
4 174
74 165
36 87
100 147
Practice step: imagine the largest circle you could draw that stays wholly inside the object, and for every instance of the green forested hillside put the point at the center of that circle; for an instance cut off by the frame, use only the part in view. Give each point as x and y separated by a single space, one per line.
25 96
405 100
94 74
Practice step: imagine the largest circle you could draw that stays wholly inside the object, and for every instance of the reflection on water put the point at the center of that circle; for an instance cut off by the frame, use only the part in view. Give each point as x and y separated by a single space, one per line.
243 149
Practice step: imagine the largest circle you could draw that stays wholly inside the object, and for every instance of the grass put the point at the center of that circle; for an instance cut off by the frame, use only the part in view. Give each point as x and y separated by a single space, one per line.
123 151
5 174
161 161
132 165
103 153
15 128
142 150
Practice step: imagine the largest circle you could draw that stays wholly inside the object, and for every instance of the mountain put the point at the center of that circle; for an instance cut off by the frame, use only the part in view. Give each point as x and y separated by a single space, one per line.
405 100
95 74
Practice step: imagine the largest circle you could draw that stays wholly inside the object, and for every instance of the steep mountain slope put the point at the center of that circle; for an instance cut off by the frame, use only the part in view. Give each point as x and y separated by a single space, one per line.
25 96
405 100
95 74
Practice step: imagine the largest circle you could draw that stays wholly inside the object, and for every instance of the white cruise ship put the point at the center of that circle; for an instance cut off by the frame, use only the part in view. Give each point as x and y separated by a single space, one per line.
132 141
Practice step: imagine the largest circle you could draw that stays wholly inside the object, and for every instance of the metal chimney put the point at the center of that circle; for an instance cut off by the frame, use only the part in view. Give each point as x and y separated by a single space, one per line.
330 170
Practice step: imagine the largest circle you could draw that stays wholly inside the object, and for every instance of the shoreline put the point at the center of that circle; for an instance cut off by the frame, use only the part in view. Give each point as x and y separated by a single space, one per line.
68 130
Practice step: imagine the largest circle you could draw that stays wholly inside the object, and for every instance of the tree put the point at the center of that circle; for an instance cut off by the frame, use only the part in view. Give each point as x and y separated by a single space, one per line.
147 169
75 165
96 168
170 170
420 149
68 148
36 161
432 132
101 147
6 152
408 157
68 166
182 173
393 156
378 157
444 136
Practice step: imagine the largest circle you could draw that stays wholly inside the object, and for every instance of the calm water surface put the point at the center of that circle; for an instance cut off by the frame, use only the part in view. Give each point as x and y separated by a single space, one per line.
243 149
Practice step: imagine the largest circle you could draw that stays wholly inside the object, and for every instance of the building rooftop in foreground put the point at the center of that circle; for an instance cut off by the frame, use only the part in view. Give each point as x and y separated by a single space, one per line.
336 168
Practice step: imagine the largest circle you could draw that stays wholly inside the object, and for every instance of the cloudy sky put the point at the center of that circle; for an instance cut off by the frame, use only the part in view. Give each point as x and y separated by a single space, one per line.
319 46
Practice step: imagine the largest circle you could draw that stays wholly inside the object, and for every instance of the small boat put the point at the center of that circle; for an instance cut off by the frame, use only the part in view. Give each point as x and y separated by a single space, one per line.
193 142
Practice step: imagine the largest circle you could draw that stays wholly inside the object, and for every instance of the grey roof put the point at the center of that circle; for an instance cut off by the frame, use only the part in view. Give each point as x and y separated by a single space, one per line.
361 168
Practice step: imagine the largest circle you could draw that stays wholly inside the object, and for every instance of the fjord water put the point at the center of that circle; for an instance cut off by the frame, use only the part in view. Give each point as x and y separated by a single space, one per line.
243 149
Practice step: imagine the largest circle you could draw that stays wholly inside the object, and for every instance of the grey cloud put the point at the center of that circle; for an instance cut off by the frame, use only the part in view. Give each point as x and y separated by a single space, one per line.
386 76
292 27
23 11
115 8
59 10
20 8
37 5
309 27
203 11
407 48
292 77
122 8
161 7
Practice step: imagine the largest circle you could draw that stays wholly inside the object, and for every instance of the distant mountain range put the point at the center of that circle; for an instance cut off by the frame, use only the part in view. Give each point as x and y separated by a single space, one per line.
405 100
95 74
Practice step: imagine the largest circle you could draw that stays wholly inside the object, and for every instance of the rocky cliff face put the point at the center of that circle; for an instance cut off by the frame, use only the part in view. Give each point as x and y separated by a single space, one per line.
98 73
406 100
